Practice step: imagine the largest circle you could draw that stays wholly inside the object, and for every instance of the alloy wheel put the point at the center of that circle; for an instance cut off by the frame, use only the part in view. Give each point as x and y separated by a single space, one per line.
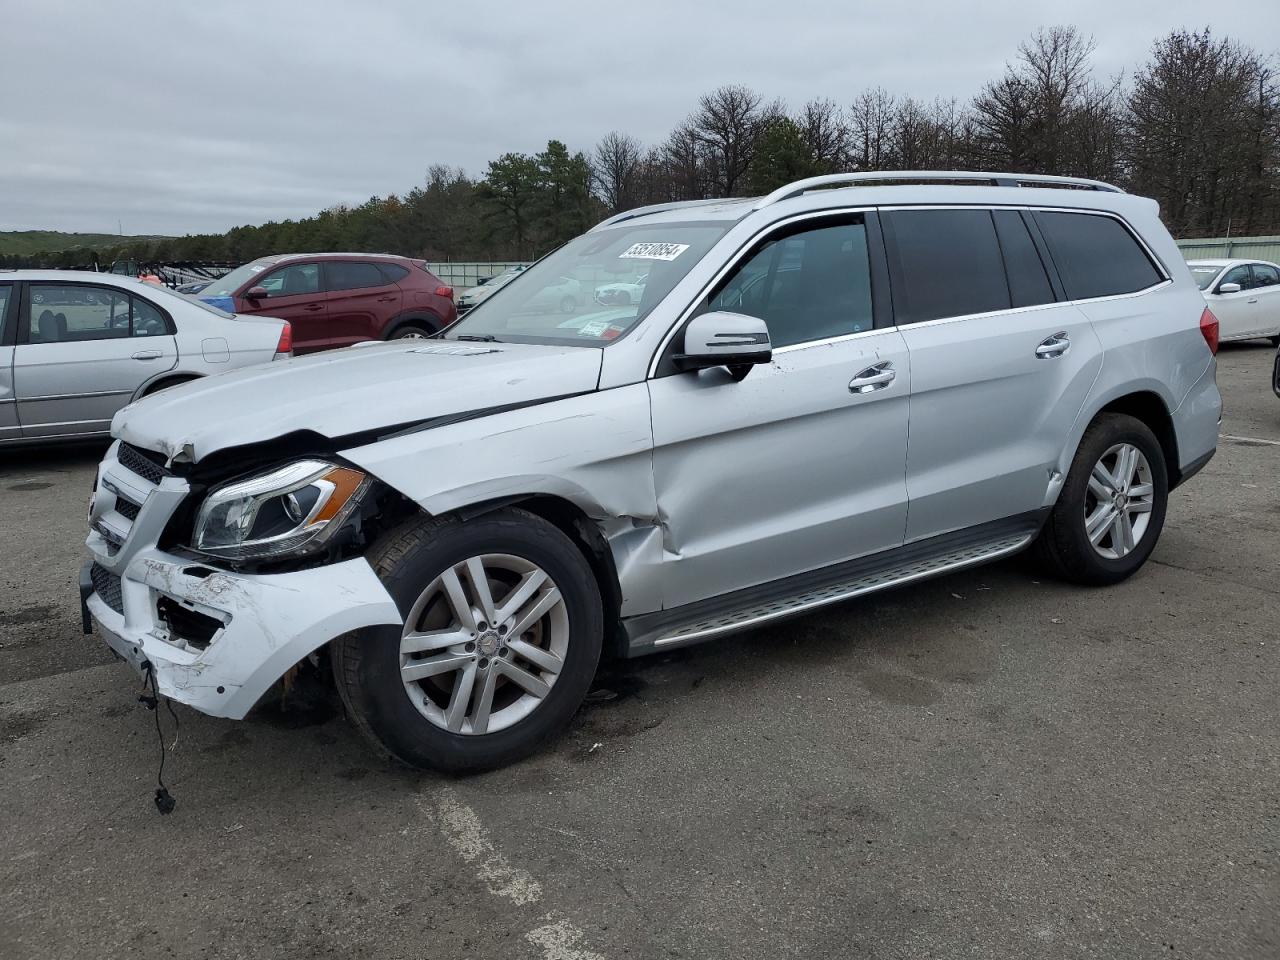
1118 505
484 643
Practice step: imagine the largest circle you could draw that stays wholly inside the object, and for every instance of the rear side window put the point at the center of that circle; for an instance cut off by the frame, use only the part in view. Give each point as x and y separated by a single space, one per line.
393 272
945 263
1028 281
343 275
1096 256
1264 275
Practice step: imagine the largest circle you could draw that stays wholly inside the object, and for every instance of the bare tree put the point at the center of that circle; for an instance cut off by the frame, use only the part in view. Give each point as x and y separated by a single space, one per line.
1203 134
871 122
826 134
725 126
615 165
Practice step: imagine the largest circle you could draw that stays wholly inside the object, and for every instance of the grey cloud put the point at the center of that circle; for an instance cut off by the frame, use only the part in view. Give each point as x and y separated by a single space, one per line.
199 117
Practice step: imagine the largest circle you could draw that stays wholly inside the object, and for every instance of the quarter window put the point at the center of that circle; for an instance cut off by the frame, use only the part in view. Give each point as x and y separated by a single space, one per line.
352 276
1096 256
75 313
393 272
805 286
296 280
4 308
944 263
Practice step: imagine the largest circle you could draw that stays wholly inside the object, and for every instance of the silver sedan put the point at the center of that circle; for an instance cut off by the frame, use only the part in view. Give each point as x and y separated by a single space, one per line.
76 347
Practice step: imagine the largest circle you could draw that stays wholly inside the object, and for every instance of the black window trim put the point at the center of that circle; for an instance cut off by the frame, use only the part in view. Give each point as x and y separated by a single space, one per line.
660 364
9 318
23 317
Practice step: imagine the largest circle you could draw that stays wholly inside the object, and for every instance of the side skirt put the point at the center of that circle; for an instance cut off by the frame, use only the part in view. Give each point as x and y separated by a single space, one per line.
743 609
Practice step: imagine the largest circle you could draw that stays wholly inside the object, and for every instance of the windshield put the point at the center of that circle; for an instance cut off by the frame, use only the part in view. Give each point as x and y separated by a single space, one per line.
1203 275
554 301
233 281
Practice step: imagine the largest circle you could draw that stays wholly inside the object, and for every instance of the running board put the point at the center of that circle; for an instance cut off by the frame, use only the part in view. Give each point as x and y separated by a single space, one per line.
675 628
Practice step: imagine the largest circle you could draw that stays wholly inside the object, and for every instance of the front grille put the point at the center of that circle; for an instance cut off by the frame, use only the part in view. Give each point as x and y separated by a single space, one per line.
190 625
127 508
145 463
107 586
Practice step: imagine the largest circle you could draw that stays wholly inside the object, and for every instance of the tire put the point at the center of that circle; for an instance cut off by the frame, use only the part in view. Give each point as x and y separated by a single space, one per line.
410 331
1065 545
408 717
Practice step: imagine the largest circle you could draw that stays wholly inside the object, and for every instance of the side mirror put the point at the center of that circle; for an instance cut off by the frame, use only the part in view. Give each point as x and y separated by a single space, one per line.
256 293
1228 288
723 339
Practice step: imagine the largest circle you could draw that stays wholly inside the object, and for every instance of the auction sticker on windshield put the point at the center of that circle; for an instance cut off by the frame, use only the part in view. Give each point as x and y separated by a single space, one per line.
653 251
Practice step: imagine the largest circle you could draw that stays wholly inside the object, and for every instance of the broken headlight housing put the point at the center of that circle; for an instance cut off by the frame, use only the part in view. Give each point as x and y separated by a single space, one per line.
293 509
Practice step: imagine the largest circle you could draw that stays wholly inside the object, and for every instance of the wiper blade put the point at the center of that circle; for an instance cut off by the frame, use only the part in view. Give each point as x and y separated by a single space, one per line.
478 337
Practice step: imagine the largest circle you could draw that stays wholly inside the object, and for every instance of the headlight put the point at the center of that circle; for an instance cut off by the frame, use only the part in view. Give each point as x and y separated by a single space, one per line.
295 508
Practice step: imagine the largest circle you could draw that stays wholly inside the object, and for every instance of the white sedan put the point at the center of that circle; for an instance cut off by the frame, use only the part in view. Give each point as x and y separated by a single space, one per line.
1243 294
76 347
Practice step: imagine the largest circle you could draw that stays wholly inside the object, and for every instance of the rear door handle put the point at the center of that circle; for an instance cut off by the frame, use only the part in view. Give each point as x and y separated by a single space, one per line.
1254 300
385 299
313 307
873 378
1054 346
147 355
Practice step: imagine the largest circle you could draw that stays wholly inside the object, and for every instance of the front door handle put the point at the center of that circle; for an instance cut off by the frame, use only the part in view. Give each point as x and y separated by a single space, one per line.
1054 346
873 378
1254 300
313 307
147 355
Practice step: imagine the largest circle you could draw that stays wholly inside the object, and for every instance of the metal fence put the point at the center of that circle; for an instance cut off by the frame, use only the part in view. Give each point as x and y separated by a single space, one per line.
461 275
1235 248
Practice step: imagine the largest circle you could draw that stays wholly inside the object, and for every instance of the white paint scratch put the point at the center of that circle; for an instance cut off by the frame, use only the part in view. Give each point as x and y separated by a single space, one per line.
559 940
467 835
1251 440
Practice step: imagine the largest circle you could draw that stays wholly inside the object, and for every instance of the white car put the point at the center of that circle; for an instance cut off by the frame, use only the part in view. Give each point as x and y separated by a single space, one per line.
621 294
76 347
473 295
1243 294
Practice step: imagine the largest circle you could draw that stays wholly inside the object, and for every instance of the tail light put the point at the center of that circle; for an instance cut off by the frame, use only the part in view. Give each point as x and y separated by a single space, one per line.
1209 329
285 344
443 291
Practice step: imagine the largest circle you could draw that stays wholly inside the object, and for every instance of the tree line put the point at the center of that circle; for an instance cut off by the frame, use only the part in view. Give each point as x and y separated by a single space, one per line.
1196 126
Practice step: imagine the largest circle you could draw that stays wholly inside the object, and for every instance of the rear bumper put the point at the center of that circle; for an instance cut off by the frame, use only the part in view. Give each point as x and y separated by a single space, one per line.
268 622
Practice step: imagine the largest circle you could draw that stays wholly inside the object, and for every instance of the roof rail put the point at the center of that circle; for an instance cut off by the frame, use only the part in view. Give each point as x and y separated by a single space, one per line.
942 176
660 207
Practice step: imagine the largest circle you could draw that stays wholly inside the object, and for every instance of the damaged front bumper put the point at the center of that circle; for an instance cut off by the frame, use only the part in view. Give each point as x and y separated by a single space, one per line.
215 640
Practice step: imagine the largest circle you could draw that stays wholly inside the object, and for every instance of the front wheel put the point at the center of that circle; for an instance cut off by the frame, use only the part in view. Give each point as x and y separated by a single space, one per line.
1112 506
503 628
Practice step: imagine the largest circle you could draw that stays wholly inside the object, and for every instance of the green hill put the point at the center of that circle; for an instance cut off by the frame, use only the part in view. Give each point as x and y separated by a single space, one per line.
25 242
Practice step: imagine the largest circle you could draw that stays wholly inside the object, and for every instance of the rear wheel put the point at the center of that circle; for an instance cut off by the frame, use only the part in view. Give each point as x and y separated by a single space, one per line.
1112 506
503 627
410 331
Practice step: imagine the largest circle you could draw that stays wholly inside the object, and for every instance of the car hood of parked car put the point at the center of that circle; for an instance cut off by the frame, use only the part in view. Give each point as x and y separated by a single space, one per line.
349 393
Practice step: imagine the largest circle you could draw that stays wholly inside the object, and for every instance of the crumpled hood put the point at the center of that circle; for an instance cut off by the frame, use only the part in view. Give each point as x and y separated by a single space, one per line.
348 391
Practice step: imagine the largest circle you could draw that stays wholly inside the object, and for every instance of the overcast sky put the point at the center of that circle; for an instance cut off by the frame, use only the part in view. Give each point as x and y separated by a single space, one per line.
189 117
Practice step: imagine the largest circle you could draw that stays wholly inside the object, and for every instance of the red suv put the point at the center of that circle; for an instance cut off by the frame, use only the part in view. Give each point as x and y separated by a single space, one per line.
337 299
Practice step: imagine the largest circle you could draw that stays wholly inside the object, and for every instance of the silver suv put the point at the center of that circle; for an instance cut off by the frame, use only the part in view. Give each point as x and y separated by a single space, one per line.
853 383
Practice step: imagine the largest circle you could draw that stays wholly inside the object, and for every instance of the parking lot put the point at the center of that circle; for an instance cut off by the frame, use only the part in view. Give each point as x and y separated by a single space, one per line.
986 765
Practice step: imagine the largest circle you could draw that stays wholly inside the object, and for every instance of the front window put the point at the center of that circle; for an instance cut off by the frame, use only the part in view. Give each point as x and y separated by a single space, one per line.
554 300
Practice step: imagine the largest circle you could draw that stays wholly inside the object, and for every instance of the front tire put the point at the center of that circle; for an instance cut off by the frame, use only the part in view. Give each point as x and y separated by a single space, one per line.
1112 506
503 631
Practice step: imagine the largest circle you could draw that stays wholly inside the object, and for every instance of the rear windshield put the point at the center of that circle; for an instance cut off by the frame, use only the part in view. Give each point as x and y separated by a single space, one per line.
559 299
